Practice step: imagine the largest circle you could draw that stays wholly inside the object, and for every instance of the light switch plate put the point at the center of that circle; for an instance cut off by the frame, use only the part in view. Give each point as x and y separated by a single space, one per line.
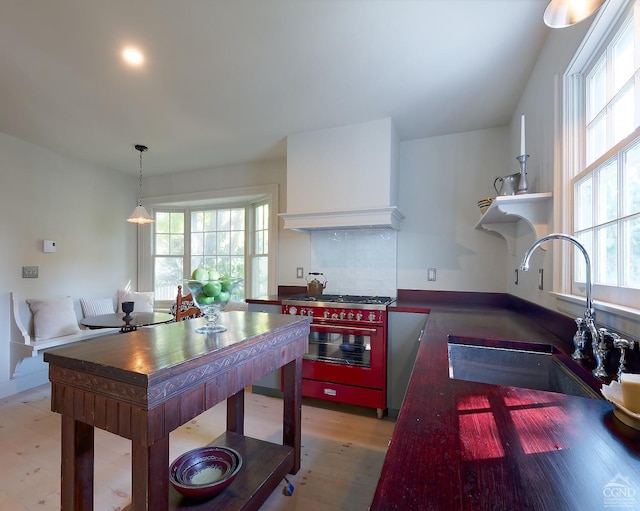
299 272
29 272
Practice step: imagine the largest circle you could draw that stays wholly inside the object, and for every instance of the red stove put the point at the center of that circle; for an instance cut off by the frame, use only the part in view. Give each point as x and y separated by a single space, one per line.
347 358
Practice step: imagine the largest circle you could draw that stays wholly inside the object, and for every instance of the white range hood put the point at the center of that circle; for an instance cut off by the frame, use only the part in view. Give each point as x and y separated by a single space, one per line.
389 217
342 178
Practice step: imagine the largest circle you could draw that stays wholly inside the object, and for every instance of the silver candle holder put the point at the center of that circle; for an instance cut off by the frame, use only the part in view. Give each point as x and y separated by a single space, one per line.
523 185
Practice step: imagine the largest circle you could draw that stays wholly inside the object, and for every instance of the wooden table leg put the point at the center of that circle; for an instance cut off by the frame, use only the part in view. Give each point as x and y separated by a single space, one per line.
235 413
292 415
76 491
150 476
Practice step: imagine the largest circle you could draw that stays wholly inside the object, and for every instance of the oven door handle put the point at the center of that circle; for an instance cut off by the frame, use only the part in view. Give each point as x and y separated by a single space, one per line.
345 327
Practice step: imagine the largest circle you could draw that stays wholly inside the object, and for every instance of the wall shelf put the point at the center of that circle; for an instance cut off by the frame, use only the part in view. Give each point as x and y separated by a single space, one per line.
506 211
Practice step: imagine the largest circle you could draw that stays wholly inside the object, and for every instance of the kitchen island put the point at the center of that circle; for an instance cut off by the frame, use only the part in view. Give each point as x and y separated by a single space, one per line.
460 445
142 385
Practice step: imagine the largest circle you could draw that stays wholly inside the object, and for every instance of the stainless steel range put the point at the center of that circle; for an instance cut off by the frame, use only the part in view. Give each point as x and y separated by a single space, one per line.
347 359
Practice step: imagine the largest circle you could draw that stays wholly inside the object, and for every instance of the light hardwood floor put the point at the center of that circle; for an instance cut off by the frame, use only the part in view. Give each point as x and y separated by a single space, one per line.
343 449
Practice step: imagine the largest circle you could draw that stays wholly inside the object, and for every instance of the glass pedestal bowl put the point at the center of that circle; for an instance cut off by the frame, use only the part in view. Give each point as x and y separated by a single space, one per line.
211 296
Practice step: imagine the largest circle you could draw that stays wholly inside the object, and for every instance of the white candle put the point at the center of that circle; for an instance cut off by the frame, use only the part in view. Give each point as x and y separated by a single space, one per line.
522 148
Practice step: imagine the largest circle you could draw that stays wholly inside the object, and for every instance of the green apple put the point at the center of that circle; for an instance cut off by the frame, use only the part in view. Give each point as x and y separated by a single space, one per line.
205 300
227 283
200 274
214 275
212 288
223 296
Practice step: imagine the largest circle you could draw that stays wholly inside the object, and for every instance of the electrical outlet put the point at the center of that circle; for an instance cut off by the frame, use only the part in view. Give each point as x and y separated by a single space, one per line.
540 278
29 272
431 274
299 272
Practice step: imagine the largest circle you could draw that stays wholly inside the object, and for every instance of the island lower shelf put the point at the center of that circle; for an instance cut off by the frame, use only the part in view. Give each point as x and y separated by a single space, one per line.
264 466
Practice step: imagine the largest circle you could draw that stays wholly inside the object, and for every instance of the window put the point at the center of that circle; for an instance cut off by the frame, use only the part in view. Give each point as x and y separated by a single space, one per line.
168 267
604 176
217 241
260 256
211 238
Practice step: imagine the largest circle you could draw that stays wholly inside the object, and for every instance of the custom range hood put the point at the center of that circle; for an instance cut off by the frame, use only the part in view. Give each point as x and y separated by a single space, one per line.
343 178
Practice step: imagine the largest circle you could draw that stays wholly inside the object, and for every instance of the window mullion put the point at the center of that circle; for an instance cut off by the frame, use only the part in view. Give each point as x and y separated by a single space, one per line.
187 243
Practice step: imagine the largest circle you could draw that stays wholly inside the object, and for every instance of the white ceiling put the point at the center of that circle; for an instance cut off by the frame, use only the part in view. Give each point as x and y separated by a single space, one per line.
225 81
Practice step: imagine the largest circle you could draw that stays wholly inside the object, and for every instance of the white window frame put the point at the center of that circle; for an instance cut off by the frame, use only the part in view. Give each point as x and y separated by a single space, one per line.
233 197
252 250
601 32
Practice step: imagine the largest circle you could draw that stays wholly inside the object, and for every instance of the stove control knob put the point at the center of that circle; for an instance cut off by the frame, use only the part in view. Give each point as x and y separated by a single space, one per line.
293 310
372 316
303 312
342 314
334 315
310 312
350 315
359 316
326 315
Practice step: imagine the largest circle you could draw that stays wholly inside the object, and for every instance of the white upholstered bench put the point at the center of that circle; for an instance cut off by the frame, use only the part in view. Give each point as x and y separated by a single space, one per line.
25 341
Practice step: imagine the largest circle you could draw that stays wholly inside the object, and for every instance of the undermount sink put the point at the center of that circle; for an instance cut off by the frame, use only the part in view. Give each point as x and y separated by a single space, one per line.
536 366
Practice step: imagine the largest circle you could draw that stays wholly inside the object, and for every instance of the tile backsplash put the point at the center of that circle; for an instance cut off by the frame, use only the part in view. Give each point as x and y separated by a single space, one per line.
356 261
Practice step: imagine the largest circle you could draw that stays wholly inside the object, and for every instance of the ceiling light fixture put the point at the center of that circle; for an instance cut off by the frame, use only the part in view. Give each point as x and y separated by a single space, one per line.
140 215
133 56
564 13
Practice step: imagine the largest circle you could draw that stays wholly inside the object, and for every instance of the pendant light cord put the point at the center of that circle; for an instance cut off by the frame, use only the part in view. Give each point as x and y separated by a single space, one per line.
140 182
142 149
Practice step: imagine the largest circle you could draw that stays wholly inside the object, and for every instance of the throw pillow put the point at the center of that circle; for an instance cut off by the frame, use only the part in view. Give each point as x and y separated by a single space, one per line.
53 317
142 301
96 306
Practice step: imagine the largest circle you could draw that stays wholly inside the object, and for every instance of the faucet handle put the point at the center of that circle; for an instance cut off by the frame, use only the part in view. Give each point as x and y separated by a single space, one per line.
580 341
614 337
603 334
600 353
623 344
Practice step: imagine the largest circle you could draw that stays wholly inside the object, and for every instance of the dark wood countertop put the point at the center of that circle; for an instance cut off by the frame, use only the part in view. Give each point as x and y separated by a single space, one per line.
283 293
147 361
461 445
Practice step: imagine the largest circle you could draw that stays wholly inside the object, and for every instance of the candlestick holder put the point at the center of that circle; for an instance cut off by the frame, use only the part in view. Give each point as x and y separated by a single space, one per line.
523 185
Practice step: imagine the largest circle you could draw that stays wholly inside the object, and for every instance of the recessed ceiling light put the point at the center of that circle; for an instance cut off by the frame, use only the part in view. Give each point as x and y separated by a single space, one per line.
133 56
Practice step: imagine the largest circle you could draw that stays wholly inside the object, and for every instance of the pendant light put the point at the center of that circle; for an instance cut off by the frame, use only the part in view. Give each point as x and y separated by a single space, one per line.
564 13
140 215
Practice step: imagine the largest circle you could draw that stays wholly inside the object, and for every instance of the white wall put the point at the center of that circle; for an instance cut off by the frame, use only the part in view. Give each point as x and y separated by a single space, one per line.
330 164
441 180
541 103
83 208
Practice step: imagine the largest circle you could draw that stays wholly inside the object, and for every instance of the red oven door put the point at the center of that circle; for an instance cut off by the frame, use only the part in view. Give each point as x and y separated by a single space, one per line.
346 354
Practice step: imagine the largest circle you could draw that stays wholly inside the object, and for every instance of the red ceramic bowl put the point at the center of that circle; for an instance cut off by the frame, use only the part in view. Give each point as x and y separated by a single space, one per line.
204 472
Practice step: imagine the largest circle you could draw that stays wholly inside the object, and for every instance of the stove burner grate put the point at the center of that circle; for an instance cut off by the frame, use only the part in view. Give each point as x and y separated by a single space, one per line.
355 299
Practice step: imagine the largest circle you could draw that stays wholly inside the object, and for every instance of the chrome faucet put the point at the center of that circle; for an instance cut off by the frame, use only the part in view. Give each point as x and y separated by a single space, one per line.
601 350
588 322
579 341
623 345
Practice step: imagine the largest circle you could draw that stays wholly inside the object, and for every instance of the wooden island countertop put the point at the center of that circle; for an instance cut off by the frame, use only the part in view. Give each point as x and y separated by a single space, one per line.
142 385
461 445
